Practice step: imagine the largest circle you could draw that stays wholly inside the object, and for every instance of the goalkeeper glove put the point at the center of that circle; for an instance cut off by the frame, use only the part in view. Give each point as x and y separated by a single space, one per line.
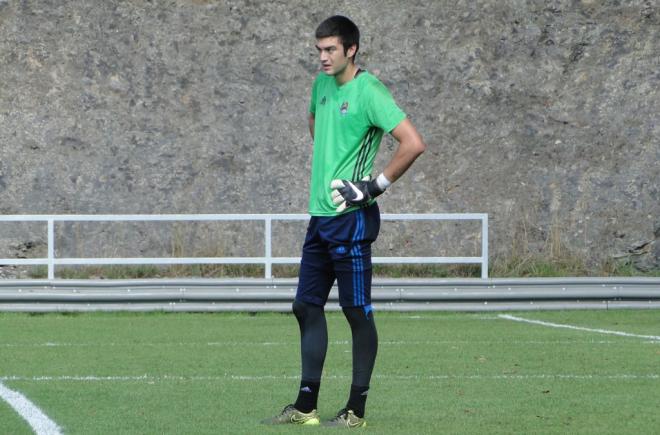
348 193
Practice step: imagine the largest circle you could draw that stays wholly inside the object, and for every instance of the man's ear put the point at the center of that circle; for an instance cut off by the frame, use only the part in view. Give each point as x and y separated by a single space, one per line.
351 50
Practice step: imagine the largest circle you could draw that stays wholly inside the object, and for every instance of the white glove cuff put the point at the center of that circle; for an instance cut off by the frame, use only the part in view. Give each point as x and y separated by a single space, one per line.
382 182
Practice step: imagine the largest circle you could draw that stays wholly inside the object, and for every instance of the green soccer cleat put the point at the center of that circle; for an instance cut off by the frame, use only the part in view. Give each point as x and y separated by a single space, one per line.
346 418
290 415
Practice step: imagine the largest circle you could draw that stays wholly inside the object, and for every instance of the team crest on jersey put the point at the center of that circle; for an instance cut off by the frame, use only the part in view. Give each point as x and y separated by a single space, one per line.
323 101
343 110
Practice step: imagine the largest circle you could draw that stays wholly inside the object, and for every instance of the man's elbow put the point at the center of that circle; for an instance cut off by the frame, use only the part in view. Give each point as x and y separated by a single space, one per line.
418 147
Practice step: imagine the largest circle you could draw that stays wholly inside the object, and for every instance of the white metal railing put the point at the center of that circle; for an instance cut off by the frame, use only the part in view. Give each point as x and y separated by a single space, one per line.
267 260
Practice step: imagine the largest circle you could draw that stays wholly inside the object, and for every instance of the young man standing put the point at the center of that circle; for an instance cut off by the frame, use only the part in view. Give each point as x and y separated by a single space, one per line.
350 110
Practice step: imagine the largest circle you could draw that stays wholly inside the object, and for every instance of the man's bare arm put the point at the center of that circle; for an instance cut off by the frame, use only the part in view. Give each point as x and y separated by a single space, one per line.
411 146
347 193
311 125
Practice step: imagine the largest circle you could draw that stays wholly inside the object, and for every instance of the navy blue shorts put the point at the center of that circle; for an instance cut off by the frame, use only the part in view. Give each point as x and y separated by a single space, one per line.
339 248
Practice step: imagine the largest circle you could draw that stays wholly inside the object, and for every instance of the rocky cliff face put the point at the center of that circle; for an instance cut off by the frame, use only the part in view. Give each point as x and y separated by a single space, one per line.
543 114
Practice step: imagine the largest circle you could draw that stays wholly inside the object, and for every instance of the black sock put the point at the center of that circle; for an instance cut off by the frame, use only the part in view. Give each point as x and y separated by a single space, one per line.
365 343
365 347
307 396
357 400
313 339
313 347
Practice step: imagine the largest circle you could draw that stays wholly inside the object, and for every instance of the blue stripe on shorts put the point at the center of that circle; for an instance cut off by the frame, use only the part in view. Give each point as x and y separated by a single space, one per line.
358 265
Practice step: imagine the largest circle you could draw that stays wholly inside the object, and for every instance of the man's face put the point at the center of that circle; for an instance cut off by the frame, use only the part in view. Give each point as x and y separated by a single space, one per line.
331 54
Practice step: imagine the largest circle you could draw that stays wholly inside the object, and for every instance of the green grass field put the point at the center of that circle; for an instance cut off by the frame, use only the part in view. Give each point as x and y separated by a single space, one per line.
472 373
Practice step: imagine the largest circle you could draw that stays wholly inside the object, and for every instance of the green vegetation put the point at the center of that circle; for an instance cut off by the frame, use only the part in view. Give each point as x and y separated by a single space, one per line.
544 267
436 372
518 267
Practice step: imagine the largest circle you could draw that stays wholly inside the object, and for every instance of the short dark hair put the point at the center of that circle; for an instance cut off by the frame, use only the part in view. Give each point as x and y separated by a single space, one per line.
342 27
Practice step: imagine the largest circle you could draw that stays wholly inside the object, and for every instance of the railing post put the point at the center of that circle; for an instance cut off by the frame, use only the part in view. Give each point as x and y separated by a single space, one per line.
51 249
484 247
267 243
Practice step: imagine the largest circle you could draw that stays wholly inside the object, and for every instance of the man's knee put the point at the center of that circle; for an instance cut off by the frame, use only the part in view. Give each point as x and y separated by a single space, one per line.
359 316
303 310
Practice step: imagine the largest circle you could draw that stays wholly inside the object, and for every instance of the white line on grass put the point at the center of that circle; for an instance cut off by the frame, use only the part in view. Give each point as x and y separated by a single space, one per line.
292 343
578 328
38 421
234 377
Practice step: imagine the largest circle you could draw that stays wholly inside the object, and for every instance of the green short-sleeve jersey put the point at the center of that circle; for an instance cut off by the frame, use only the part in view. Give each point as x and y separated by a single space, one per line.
349 122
